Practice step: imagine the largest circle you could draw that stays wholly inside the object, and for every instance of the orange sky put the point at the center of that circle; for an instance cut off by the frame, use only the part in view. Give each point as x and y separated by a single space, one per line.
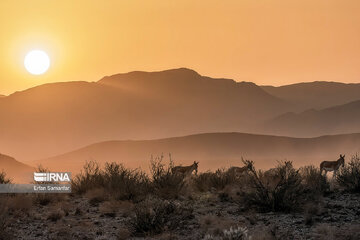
265 41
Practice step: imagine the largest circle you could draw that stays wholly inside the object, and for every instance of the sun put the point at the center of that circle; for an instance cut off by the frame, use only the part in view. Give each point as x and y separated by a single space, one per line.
37 62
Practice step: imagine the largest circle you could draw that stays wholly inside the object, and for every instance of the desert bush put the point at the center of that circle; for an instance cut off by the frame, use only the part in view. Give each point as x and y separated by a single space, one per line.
122 183
313 181
349 175
215 180
165 183
4 179
90 177
281 190
234 233
126 184
153 216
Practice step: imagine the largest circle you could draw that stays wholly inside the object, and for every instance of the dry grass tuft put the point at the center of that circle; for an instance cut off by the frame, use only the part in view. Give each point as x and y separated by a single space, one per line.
153 216
349 175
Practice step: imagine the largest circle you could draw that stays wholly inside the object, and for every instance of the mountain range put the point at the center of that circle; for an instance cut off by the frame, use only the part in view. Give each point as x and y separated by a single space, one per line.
212 150
316 95
54 118
58 117
333 120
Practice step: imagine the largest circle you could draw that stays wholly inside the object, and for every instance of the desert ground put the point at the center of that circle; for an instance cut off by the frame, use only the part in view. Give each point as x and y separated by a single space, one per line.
118 203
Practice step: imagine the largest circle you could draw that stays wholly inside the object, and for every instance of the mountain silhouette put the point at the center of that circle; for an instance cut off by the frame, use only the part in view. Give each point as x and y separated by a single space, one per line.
333 120
57 117
212 150
15 170
316 95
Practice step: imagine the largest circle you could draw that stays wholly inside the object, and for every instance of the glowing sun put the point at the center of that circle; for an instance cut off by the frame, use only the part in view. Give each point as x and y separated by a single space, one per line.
37 62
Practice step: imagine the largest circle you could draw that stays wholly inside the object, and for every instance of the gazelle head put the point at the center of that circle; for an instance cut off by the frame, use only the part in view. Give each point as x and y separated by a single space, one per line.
195 166
342 159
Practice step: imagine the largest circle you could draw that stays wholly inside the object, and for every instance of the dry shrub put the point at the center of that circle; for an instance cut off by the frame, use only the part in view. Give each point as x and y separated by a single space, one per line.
125 184
21 203
48 198
4 179
278 191
153 216
349 176
233 233
217 180
315 184
165 183
91 177
213 225
122 183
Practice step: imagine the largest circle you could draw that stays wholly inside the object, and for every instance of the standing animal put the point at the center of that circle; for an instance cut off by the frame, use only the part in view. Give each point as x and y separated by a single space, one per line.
332 165
237 171
186 170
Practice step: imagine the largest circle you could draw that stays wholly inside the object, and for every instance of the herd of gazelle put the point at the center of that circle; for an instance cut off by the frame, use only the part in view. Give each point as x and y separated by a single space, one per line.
326 166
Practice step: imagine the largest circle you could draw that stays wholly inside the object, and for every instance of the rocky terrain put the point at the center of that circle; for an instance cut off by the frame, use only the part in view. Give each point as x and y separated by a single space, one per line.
119 203
74 217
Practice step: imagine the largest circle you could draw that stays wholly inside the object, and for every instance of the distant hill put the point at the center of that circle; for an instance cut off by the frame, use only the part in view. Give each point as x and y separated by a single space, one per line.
213 150
316 95
15 170
334 120
58 117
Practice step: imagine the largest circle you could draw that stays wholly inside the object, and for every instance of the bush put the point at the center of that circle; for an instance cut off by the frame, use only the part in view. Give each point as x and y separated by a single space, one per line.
238 233
122 183
126 184
90 178
349 175
4 179
217 180
154 215
314 182
281 190
165 183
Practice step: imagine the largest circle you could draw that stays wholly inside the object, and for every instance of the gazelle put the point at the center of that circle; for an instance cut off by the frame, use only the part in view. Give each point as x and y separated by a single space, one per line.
332 165
186 170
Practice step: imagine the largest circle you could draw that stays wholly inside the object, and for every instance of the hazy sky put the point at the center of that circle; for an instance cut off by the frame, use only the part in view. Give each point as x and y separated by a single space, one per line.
265 41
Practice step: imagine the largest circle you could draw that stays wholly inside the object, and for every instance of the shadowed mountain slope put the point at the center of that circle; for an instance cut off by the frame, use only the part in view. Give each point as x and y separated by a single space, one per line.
213 150
334 120
57 117
316 95
15 170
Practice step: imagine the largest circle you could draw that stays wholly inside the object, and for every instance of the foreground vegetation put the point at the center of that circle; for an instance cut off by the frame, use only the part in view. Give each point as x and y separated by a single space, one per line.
160 202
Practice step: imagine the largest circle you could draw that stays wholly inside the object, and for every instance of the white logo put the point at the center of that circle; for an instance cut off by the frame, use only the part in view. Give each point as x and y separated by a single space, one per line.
52 177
